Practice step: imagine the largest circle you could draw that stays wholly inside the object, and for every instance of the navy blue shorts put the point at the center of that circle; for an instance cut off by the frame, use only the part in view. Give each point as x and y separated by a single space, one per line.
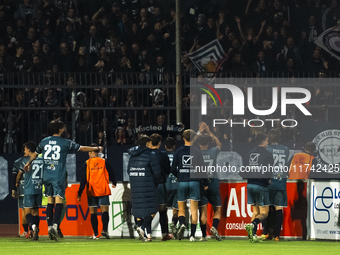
278 197
257 195
212 196
161 194
31 201
172 199
188 190
98 201
54 189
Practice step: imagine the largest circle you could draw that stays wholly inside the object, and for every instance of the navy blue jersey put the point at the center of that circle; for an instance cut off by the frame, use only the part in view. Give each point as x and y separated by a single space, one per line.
164 163
54 151
256 159
209 157
33 178
280 154
171 182
185 161
19 164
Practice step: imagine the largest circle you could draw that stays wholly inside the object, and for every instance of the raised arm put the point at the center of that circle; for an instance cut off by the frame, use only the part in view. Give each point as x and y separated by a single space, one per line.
89 149
247 8
95 16
194 45
260 32
238 20
215 139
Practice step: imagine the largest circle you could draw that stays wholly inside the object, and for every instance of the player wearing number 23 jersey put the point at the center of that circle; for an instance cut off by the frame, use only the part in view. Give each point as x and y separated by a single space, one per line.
54 150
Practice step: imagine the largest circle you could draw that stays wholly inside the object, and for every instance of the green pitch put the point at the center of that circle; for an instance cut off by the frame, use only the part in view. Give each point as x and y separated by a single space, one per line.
123 246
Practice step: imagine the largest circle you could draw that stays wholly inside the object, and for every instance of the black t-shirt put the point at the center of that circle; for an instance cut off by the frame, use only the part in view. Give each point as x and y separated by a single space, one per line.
256 160
184 164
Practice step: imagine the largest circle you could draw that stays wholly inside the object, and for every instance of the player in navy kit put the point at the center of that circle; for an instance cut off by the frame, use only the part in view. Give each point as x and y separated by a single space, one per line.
277 188
184 164
212 194
32 189
54 150
257 187
164 163
171 186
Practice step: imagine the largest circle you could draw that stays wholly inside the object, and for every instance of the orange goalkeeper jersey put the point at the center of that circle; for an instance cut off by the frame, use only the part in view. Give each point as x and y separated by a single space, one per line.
300 166
97 178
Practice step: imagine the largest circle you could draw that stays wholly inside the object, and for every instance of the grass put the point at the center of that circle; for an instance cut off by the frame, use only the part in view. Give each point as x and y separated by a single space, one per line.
127 246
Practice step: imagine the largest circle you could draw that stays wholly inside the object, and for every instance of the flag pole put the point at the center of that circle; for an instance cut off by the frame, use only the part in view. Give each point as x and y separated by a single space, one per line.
178 65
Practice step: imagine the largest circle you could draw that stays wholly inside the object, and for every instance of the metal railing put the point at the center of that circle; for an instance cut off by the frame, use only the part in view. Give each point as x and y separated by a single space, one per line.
91 104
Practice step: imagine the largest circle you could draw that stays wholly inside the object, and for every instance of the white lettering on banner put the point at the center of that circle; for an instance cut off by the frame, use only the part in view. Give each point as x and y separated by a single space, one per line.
233 204
238 100
325 199
243 193
239 226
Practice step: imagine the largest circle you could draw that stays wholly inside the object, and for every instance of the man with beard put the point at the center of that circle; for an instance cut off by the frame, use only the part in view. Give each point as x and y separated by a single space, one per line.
54 150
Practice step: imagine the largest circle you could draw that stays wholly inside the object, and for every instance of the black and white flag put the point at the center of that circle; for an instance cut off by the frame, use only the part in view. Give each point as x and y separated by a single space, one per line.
329 41
209 57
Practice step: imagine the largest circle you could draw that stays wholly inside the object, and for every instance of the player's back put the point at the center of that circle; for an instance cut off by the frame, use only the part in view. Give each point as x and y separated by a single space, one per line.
255 160
54 151
210 157
185 160
280 155
33 178
164 162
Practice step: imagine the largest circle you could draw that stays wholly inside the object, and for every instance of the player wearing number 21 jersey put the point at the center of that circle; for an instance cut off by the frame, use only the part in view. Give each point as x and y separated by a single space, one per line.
54 150
32 189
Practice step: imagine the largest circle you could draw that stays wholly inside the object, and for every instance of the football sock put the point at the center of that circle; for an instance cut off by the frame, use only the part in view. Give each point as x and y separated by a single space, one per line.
175 220
163 220
105 220
57 213
193 229
25 226
63 212
181 220
265 227
94 223
204 229
255 223
49 214
147 224
278 222
215 222
36 220
139 222
29 219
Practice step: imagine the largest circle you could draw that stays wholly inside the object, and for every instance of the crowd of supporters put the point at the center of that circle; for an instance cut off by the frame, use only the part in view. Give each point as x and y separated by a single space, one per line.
108 38
139 36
